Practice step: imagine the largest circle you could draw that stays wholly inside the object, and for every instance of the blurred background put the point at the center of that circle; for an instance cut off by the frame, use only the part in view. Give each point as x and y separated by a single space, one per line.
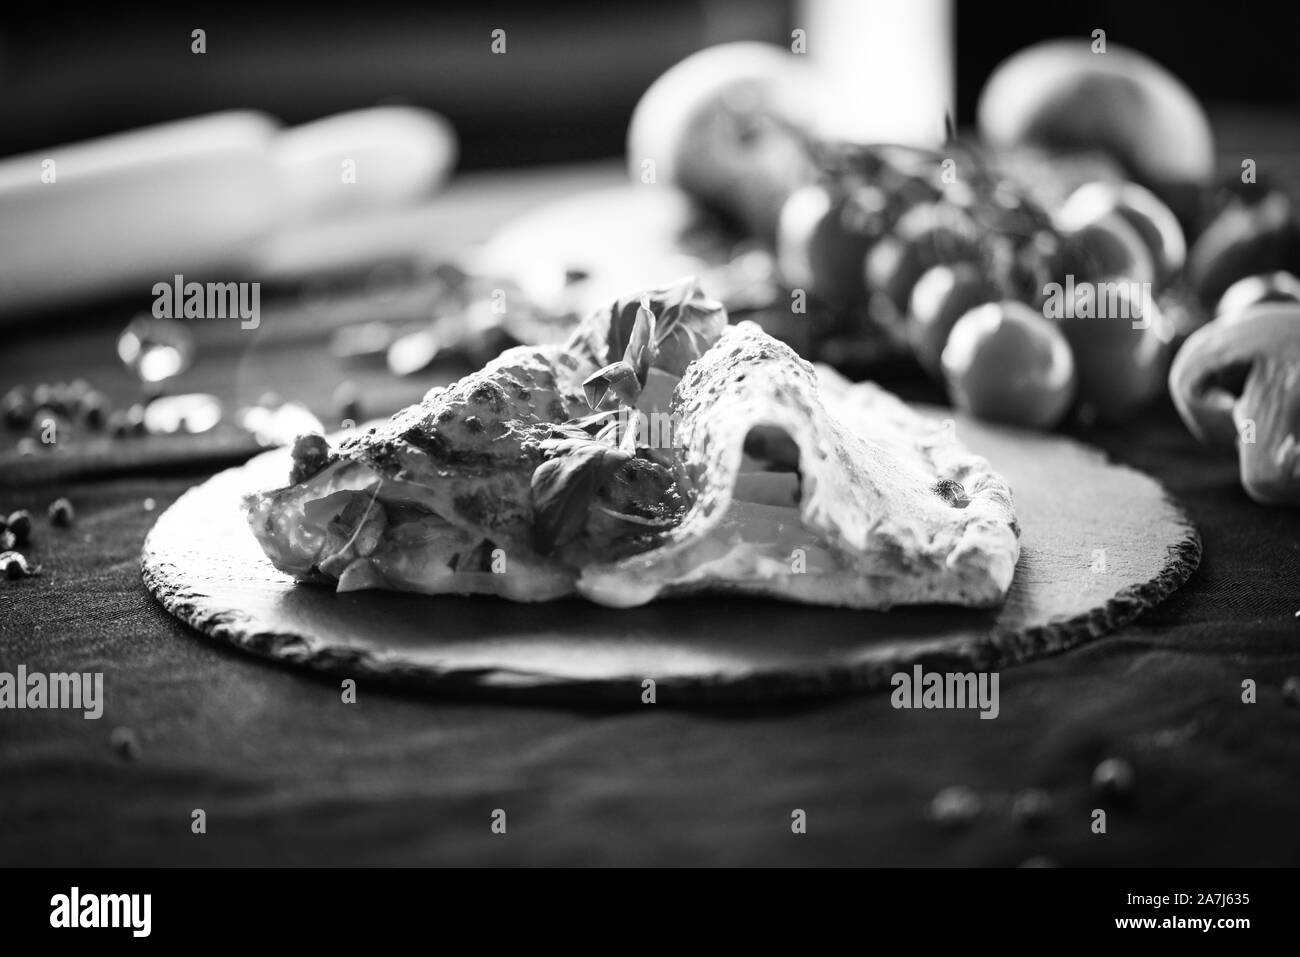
574 70
501 126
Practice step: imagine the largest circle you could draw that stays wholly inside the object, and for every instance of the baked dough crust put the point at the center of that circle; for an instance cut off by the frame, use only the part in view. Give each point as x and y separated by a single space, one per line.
895 508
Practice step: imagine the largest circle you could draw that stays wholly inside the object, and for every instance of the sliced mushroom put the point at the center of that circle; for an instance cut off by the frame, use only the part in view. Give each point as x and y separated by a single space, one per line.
1237 380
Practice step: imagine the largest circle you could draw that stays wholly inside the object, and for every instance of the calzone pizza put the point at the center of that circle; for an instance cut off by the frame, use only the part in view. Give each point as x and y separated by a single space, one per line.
658 452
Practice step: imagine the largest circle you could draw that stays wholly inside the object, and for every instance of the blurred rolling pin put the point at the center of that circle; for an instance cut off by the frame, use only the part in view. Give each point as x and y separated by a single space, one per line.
201 196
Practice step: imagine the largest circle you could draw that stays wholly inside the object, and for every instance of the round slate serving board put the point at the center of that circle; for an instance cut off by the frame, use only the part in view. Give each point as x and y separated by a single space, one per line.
1100 543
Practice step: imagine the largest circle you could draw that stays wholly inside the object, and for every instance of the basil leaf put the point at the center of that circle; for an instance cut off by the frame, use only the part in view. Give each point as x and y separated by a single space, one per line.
617 382
666 328
688 326
642 343
563 489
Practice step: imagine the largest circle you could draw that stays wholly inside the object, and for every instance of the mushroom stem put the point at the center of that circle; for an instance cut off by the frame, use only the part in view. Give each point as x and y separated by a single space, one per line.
1267 417
1264 420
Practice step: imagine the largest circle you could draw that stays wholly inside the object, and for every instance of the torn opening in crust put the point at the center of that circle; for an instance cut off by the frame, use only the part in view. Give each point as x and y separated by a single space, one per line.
769 468
878 514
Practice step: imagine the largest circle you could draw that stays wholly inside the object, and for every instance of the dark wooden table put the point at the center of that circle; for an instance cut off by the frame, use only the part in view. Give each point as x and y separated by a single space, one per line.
287 773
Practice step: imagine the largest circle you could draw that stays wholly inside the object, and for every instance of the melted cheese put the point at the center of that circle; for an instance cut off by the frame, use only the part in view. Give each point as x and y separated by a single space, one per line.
754 542
758 541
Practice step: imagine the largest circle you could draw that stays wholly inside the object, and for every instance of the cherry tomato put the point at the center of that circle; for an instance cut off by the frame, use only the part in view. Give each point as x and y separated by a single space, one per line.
1107 247
942 296
926 235
1005 362
1154 222
1245 239
815 250
1121 350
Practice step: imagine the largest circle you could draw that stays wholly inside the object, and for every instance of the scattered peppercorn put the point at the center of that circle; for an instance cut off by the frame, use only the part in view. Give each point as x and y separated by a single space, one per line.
61 513
16 408
125 743
92 409
20 523
1030 806
1113 778
43 394
955 806
1291 690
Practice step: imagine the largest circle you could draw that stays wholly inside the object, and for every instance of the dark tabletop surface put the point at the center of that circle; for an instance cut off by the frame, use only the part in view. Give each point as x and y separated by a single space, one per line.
288 774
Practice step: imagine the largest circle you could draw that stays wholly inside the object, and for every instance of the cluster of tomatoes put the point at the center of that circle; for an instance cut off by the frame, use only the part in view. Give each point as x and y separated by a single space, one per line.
1025 314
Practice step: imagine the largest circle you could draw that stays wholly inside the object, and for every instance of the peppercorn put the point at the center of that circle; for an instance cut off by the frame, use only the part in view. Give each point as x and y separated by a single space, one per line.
16 408
1291 690
125 743
92 409
43 394
20 523
63 400
61 513
1113 778
955 806
1030 806
8 542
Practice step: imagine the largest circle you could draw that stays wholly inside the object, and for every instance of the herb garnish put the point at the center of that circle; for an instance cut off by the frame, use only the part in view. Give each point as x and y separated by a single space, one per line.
564 485
585 453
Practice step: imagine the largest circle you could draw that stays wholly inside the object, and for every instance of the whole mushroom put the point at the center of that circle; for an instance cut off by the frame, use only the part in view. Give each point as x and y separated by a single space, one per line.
1278 286
1237 380
1068 95
726 126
